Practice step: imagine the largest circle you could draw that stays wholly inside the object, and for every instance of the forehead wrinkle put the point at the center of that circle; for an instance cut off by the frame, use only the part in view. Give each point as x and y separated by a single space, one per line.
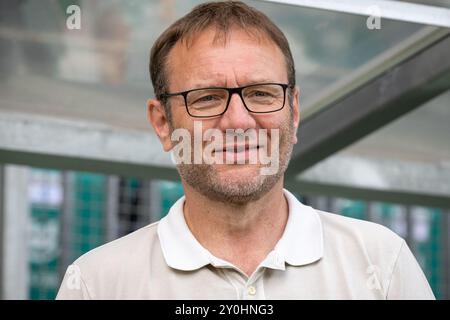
215 78
220 78
222 35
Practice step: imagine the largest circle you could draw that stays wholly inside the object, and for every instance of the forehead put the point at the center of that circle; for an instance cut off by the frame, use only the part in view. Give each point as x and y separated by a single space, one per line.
240 58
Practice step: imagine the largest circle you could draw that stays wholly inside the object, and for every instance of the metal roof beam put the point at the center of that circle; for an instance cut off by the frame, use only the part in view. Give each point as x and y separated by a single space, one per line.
387 9
387 97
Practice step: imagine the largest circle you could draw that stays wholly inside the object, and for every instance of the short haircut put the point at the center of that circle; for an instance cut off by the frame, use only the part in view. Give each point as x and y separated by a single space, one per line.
224 16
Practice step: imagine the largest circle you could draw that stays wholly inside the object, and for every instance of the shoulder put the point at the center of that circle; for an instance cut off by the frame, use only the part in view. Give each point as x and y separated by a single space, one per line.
125 251
352 227
368 253
353 236
113 270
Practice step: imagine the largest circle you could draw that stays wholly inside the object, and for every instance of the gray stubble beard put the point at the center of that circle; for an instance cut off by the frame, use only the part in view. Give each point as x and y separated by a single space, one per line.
204 178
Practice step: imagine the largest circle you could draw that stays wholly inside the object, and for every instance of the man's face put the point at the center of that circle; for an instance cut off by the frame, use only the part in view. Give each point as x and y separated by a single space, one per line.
243 60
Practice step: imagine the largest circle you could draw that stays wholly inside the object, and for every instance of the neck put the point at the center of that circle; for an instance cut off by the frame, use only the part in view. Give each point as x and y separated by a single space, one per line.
242 235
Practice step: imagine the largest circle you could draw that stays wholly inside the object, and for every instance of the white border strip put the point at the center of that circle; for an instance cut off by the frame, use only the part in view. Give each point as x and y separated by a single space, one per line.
388 9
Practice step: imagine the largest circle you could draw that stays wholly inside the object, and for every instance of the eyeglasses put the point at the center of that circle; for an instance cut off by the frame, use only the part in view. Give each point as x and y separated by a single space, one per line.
214 101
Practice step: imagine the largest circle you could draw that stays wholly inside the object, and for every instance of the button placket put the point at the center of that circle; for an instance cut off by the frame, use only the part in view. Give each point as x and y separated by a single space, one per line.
253 286
251 290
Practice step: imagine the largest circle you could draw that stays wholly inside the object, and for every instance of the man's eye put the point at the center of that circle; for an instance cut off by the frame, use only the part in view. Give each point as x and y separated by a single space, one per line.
261 94
208 98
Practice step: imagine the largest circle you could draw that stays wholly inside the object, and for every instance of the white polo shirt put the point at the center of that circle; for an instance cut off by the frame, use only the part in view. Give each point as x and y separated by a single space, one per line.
319 256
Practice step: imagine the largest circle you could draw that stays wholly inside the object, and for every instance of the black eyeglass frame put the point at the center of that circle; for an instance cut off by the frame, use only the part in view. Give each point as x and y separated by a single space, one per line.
231 91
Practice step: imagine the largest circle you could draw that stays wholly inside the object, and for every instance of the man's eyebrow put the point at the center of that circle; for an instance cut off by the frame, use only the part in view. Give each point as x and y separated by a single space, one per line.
222 84
260 80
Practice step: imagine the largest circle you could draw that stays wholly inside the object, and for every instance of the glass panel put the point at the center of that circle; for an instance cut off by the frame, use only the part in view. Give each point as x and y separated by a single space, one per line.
100 72
410 154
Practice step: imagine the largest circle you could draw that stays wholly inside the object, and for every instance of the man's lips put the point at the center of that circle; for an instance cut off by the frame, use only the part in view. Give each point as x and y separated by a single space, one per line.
238 148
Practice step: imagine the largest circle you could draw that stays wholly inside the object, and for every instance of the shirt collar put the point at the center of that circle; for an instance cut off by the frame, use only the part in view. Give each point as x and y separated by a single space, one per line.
300 244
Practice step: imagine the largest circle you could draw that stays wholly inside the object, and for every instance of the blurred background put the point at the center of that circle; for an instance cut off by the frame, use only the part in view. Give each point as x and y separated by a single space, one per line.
81 166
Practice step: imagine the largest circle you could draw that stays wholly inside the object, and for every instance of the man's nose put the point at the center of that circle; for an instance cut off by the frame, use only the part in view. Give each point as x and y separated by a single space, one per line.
237 116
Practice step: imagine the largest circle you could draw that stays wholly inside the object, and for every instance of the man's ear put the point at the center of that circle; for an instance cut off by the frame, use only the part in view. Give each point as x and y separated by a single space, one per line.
295 111
158 119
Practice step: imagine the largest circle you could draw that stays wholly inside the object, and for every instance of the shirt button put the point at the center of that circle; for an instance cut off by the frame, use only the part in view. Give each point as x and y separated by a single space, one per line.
251 290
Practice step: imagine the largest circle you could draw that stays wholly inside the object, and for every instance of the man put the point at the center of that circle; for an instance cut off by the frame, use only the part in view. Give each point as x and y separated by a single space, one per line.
237 234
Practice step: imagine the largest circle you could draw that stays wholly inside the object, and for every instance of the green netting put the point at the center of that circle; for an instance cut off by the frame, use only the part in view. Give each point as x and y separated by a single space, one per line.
89 212
170 193
44 253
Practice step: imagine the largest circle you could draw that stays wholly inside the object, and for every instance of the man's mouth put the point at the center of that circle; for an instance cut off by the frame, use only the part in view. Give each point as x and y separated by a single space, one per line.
238 154
238 148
